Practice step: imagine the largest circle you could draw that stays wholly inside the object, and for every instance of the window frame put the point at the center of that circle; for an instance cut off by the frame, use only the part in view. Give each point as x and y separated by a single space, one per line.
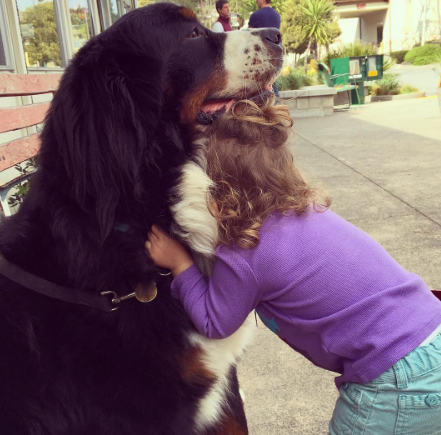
104 13
64 30
6 45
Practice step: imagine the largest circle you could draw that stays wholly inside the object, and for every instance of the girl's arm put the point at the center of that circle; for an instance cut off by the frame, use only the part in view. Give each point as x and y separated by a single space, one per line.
217 308
167 252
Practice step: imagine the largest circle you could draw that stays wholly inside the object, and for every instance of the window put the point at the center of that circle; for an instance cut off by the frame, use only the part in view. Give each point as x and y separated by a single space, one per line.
81 23
5 62
39 33
112 10
2 50
127 6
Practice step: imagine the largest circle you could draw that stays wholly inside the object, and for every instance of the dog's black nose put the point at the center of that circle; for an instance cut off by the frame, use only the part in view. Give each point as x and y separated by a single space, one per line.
271 35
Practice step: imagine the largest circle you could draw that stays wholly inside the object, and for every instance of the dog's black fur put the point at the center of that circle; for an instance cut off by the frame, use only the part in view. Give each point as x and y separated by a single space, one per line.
111 148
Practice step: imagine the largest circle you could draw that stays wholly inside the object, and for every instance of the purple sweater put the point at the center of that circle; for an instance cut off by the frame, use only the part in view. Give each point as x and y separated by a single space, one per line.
324 287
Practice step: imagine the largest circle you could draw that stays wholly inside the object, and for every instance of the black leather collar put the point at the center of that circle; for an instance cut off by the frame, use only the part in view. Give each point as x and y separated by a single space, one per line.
103 302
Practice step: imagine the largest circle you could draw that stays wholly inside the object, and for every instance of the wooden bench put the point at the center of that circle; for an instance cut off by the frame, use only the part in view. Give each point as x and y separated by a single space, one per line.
16 164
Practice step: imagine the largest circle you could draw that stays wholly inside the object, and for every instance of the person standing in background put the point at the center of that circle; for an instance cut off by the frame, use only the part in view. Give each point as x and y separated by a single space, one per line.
266 16
240 21
223 22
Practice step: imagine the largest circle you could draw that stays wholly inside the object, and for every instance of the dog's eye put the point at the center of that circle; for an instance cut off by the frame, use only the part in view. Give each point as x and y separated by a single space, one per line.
194 34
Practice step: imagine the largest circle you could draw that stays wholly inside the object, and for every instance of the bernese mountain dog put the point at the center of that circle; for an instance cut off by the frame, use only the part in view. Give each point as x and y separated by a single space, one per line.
91 340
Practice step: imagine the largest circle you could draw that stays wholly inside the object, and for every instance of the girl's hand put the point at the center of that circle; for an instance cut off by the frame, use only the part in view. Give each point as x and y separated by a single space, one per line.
167 252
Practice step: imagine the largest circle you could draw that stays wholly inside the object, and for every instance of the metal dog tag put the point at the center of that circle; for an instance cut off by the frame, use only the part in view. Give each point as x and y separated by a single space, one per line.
146 293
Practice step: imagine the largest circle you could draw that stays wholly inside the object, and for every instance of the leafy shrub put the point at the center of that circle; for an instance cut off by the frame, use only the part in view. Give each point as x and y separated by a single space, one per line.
429 53
388 85
399 55
22 188
388 62
301 60
408 89
356 48
296 79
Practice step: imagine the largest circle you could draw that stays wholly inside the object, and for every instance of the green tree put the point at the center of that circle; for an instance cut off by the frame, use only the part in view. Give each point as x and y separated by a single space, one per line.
292 27
318 17
42 46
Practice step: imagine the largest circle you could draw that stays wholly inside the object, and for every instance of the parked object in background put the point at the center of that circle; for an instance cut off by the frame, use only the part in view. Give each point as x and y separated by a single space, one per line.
439 98
438 91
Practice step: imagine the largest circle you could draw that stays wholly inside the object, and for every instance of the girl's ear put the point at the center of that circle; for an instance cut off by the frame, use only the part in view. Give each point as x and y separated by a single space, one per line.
101 123
214 208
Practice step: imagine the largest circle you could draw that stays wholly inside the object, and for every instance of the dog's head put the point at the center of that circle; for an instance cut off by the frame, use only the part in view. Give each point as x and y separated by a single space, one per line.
120 123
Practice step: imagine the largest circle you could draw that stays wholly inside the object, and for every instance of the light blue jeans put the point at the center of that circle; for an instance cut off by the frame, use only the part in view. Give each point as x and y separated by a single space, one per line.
404 400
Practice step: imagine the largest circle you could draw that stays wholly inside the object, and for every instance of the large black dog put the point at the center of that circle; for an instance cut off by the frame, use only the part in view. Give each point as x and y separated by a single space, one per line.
116 157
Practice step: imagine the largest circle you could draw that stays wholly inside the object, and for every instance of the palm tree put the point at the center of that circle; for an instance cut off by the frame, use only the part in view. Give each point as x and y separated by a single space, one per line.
318 16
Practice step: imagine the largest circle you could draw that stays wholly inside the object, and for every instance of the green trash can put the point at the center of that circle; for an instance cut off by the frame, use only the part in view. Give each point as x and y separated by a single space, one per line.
357 70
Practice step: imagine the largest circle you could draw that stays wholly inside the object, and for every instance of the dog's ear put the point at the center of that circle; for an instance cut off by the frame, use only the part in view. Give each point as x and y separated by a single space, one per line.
103 119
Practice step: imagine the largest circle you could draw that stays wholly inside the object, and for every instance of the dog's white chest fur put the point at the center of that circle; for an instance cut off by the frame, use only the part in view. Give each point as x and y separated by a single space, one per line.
198 228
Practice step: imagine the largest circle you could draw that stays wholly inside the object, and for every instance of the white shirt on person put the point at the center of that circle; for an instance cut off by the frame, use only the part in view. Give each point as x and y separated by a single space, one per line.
217 27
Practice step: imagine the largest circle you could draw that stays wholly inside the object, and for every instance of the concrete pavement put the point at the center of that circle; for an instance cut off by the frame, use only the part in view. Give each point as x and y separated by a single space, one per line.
382 166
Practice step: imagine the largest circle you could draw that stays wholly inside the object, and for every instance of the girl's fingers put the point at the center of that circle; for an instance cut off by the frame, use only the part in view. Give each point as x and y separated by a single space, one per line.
156 230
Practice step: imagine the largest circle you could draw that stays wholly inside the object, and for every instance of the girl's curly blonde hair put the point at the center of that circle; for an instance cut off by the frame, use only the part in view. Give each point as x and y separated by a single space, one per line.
254 172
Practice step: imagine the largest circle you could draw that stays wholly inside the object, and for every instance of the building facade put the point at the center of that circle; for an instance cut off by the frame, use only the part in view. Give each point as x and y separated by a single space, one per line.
391 25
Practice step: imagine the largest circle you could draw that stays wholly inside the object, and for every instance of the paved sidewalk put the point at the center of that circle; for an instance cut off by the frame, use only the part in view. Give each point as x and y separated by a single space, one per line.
382 166
425 78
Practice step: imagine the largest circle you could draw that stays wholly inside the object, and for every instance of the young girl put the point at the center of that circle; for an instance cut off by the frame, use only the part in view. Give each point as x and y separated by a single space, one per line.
322 285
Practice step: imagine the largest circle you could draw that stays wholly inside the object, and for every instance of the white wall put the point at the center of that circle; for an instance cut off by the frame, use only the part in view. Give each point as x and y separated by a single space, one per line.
350 30
398 31
369 24
404 24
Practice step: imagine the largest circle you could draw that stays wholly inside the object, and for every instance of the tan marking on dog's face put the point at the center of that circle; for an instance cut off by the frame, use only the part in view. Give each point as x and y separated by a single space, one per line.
193 101
187 13
246 68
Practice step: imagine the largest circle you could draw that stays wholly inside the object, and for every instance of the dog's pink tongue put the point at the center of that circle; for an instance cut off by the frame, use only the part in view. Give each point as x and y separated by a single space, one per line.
215 105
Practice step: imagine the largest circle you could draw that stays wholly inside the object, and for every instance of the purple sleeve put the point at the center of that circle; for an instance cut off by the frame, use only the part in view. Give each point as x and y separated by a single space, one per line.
218 308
